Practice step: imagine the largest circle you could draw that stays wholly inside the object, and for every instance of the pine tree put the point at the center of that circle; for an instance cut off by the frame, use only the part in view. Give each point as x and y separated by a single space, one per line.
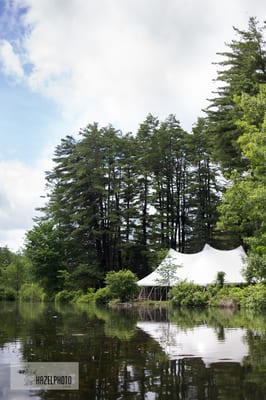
241 71
169 168
205 190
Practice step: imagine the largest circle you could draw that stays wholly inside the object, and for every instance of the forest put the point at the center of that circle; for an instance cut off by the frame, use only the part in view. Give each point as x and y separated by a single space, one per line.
116 200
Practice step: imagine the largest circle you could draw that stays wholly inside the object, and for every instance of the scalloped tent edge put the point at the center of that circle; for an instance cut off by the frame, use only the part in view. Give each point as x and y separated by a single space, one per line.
200 268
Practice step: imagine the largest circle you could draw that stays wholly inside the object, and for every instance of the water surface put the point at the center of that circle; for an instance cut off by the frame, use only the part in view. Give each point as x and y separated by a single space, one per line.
138 353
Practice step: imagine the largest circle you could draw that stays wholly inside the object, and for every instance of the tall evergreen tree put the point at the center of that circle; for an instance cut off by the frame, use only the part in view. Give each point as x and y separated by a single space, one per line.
144 140
96 195
205 190
169 167
242 70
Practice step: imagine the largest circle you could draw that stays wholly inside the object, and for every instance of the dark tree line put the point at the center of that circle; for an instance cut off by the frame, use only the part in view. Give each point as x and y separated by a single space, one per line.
114 199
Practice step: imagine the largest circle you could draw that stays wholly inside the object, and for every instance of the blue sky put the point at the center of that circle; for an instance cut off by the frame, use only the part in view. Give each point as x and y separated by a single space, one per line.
67 63
28 121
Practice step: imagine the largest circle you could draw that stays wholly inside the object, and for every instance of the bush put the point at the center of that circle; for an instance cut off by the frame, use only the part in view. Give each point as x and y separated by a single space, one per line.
31 292
67 296
200 298
122 284
254 297
256 269
86 297
188 294
226 297
102 296
8 293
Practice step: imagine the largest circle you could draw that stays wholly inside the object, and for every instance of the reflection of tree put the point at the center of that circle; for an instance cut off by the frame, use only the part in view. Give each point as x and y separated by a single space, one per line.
228 380
153 313
220 332
111 368
255 363
11 325
215 317
31 311
121 325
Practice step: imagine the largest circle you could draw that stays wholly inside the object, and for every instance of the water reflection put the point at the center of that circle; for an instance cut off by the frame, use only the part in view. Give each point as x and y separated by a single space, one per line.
139 353
204 342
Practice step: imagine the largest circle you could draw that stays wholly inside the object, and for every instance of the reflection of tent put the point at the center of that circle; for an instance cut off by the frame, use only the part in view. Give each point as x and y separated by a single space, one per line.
201 341
200 268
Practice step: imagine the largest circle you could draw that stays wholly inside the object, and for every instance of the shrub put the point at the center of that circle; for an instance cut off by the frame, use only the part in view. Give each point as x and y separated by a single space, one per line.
67 296
226 297
200 298
122 284
254 297
31 292
188 294
8 293
256 269
102 296
86 297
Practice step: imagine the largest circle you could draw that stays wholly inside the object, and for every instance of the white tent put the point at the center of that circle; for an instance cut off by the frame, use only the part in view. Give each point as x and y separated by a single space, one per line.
200 268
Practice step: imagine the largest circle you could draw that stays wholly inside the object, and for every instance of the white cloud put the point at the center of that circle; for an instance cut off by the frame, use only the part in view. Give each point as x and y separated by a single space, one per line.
116 61
112 62
20 189
10 60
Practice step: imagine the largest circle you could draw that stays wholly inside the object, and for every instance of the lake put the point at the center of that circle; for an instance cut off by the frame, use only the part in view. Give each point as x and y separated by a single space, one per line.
138 353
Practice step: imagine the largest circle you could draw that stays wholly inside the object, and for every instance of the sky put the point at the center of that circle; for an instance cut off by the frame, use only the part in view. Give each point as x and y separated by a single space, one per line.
67 63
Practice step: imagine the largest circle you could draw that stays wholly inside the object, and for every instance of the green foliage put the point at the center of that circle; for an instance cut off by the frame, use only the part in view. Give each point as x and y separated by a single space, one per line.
84 276
67 296
86 297
122 284
243 207
158 257
227 296
220 279
188 294
43 248
256 268
8 293
15 270
32 292
205 191
14 275
254 297
167 272
241 71
6 257
113 202
64 296
103 296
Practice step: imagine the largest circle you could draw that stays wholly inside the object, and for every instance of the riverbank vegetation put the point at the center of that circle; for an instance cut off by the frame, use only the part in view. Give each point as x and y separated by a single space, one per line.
117 201
184 294
228 296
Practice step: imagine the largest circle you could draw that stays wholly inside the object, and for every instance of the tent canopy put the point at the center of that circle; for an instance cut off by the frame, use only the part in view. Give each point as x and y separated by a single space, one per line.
200 268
